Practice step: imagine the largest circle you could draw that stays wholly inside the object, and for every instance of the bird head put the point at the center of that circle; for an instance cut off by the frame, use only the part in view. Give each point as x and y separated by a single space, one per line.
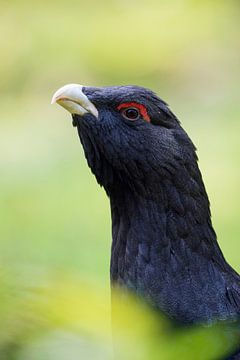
129 135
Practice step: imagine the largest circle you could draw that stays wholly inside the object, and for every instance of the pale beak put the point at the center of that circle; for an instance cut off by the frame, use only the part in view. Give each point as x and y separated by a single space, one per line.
74 100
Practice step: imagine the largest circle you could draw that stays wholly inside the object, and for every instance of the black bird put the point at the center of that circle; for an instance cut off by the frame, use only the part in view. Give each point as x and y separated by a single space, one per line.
164 247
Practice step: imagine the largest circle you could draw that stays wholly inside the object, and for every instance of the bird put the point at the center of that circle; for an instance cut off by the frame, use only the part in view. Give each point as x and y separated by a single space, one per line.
164 248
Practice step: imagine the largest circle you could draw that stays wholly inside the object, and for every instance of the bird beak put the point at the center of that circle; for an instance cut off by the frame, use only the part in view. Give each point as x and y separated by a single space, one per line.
72 98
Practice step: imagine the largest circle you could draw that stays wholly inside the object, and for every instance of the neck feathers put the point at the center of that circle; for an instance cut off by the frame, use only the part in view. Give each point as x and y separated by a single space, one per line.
165 248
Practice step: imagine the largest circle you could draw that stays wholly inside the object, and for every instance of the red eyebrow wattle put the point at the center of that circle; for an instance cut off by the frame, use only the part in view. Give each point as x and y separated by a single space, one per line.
140 107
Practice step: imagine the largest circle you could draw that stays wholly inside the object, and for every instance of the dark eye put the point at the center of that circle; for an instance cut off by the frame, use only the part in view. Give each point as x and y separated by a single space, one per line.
130 113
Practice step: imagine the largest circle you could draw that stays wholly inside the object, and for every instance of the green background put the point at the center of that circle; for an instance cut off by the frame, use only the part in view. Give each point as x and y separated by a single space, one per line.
54 218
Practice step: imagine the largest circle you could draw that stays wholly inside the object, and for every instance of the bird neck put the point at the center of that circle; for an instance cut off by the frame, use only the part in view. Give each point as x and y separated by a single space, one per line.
166 249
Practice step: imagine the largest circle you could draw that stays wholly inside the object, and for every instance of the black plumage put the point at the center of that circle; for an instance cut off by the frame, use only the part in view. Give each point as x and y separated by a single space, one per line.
164 247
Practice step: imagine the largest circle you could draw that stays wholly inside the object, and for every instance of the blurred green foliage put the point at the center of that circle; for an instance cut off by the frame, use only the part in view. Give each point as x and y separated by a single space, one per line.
55 230
68 319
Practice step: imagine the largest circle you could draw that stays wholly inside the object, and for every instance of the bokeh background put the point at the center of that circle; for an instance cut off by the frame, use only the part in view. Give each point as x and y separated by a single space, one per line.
55 230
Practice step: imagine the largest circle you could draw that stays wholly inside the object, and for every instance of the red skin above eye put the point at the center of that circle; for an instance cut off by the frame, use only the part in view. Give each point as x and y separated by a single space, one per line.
140 107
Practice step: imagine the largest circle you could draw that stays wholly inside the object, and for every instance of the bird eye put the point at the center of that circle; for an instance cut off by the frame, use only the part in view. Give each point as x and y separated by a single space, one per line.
130 113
